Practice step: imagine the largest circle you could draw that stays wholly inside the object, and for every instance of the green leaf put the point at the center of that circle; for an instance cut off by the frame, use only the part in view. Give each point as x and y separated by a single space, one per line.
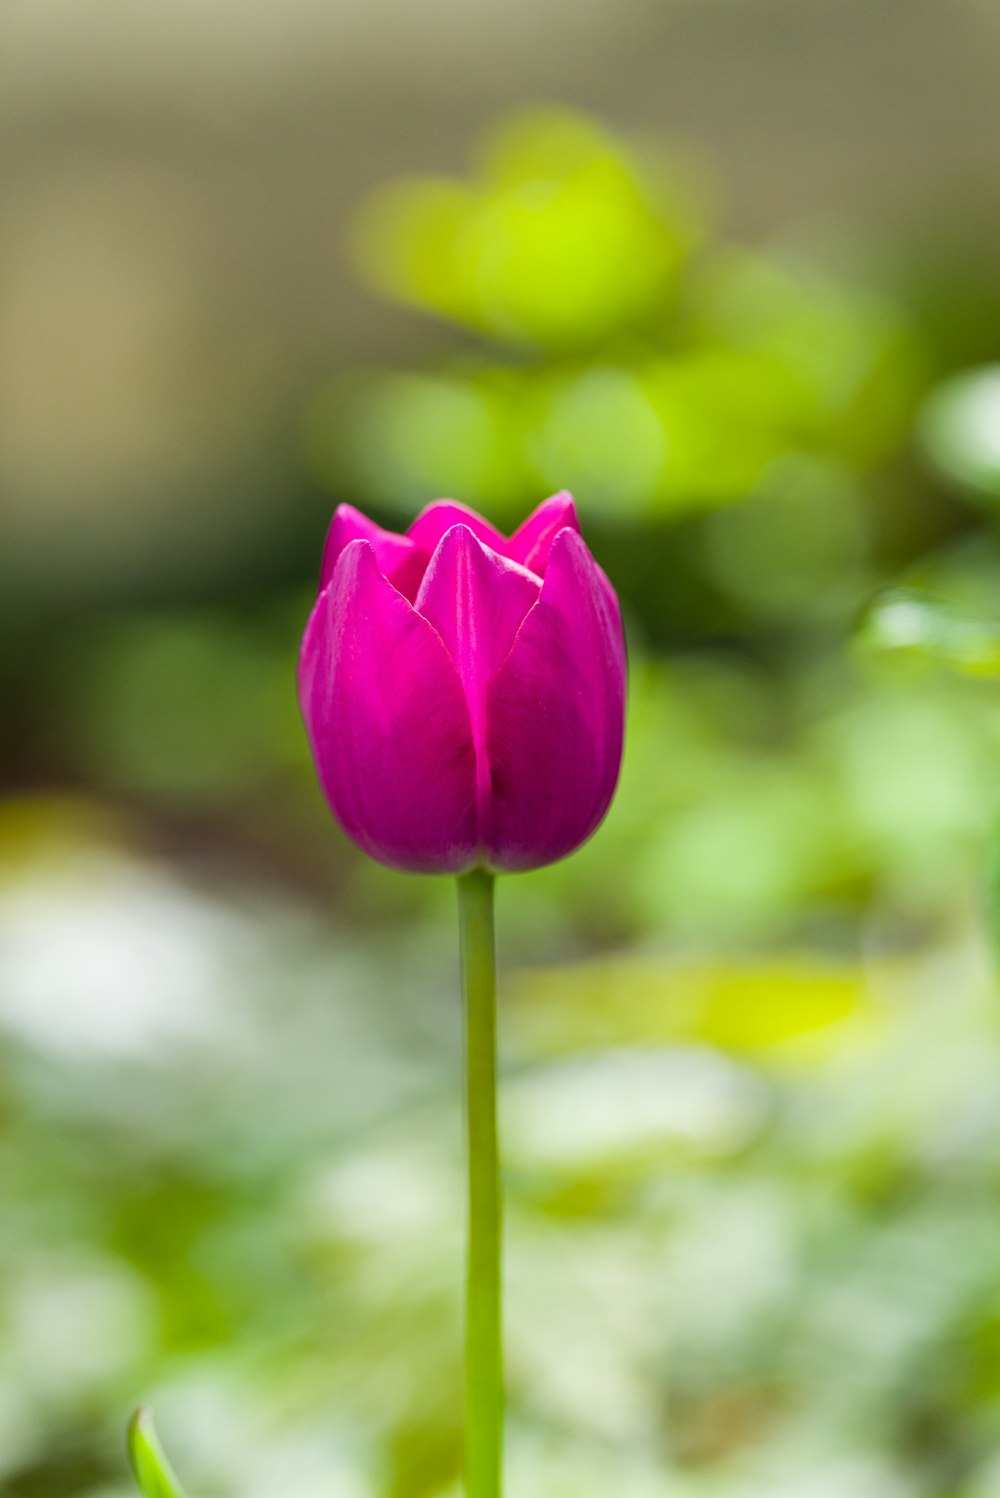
910 623
960 430
153 1471
799 1007
559 238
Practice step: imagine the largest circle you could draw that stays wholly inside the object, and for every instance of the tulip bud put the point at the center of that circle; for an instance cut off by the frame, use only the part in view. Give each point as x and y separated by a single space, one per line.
464 692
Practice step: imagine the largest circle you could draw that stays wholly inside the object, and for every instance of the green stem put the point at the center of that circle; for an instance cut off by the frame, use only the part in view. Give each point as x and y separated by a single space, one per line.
483 1354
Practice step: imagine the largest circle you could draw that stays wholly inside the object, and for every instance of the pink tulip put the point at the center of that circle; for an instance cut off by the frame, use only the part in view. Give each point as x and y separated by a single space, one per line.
464 692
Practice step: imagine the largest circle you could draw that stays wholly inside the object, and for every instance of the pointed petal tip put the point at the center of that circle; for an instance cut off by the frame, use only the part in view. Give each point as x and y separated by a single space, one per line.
566 550
449 506
475 598
396 554
569 550
531 543
344 511
459 533
461 543
437 518
348 555
562 498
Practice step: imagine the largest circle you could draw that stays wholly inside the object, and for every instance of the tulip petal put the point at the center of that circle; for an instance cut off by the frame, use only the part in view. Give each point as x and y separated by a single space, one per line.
554 715
476 600
388 722
432 523
398 557
532 542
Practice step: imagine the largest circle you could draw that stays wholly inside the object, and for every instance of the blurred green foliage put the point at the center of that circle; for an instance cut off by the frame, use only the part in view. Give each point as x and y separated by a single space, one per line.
635 359
559 243
750 1032
960 428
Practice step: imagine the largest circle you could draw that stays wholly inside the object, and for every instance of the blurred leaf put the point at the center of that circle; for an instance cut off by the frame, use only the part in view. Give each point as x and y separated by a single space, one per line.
797 548
598 433
153 1471
992 889
38 830
747 395
189 704
925 628
850 355
559 241
663 373
753 1007
960 430
392 435
809 373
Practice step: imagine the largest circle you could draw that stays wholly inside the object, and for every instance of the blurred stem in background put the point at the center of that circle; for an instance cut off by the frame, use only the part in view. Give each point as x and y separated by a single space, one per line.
483 1354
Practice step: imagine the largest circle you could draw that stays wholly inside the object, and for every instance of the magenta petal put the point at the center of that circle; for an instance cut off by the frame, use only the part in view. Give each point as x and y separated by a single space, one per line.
388 722
555 713
398 558
532 542
432 523
476 601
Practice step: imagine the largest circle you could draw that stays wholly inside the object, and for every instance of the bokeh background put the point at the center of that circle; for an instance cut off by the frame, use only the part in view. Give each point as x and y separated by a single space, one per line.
728 270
